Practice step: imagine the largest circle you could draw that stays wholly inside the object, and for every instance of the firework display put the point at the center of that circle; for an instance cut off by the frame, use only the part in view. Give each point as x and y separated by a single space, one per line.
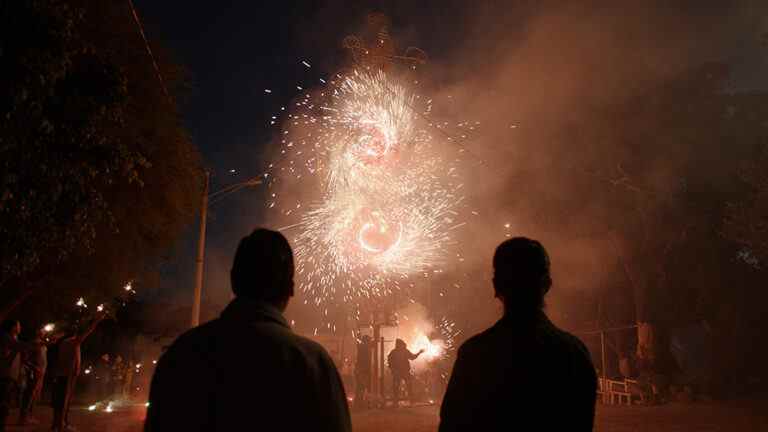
380 197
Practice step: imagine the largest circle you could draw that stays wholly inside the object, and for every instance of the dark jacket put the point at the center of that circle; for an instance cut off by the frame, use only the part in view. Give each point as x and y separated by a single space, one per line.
521 374
399 360
246 371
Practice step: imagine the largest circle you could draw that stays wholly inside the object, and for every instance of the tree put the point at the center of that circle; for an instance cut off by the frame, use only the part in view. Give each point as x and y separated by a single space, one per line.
746 222
99 177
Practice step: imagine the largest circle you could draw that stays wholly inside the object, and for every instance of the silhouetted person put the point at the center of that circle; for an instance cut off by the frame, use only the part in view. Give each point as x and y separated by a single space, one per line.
66 369
103 375
399 360
10 365
523 373
37 363
117 377
247 370
363 370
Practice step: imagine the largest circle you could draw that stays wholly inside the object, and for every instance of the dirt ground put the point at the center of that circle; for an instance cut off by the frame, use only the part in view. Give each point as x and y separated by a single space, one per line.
710 417
737 416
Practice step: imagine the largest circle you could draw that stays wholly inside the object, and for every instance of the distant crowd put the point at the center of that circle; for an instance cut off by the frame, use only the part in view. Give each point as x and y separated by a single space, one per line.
24 367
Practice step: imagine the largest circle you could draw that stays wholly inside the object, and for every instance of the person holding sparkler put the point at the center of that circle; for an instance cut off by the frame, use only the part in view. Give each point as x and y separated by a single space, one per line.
36 361
67 369
247 370
522 373
399 360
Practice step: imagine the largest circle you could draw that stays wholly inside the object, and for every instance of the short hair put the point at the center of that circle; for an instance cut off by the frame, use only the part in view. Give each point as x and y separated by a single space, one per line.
521 272
263 267
8 325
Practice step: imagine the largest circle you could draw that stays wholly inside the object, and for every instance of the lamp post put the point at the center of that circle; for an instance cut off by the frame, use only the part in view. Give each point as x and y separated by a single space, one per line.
199 262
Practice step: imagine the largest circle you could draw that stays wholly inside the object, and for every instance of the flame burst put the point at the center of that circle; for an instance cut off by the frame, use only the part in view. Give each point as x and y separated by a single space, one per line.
386 198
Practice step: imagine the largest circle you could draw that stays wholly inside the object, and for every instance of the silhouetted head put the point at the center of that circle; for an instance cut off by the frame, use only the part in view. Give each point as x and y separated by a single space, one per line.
521 275
11 327
263 268
399 343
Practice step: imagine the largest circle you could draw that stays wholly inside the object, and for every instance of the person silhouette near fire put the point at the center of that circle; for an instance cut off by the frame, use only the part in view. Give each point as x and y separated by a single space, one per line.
399 360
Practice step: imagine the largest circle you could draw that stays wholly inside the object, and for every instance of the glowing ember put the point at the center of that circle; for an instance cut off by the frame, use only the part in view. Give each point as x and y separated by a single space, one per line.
81 303
92 408
49 327
129 287
100 307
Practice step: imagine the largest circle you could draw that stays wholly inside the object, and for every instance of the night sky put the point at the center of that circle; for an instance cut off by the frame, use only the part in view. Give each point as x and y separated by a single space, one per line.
234 50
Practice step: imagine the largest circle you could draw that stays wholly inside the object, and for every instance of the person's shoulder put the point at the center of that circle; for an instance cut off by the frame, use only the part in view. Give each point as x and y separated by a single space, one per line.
478 341
309 348
569 341
194 340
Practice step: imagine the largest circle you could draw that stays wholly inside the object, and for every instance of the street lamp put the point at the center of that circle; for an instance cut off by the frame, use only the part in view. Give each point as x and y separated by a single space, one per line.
195 321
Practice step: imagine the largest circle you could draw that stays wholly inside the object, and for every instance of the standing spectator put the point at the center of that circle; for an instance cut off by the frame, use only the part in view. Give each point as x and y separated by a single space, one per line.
128 373
247 370
118 378
36 365
363 370
10 365
504 377
103 373
66 371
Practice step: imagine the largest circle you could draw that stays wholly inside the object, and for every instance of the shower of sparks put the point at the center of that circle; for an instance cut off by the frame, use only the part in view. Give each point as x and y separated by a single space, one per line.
431 349
385 196
440 347
448 333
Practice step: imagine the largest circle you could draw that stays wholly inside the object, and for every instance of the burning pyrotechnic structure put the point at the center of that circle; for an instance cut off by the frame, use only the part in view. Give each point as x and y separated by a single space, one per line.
386 199
420 332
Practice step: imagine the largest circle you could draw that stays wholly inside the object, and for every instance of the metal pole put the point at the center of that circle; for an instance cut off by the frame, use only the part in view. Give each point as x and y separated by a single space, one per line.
376 365
200 255
381 366
603 364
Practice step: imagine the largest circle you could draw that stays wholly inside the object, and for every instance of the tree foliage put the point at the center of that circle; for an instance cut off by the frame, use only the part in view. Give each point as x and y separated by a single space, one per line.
98 175
747 219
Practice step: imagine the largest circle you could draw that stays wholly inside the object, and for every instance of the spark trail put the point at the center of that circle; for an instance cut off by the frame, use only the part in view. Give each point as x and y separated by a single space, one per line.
379 197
